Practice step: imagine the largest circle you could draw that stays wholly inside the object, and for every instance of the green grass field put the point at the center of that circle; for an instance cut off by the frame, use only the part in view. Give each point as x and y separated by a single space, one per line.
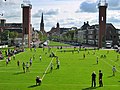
74 73
52 43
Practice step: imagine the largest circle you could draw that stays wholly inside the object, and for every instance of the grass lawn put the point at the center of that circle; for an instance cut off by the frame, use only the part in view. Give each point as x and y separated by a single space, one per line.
52 43
74 73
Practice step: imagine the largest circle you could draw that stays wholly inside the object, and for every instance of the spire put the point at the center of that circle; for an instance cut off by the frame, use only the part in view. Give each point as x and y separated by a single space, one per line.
42 19
42 24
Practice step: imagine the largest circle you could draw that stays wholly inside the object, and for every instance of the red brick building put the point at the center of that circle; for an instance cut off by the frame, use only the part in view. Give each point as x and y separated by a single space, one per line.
26 7
102 22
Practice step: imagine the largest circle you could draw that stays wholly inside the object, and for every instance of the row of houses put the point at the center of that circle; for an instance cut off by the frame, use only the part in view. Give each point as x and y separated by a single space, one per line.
88 34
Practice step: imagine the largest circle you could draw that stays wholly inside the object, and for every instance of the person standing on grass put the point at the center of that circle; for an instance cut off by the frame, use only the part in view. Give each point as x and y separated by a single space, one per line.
93 79
13 56
58 64
18 63
51 67
114 70
23 67
40 57
84 56
97 59
9 58
30 61
6 61
27 67
56 59
100 78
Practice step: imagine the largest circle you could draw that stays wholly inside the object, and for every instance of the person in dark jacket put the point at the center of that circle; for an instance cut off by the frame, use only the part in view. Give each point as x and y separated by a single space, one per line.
93 79
100 78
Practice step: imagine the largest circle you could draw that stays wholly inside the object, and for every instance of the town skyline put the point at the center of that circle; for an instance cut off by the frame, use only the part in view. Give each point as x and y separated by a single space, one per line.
68 13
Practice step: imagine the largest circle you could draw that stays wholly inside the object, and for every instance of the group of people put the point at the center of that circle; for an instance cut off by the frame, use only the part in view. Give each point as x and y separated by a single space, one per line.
25 66
100 77
57 63
94 79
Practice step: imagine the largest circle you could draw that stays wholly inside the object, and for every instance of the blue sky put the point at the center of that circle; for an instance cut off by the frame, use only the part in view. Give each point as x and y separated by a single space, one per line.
68 13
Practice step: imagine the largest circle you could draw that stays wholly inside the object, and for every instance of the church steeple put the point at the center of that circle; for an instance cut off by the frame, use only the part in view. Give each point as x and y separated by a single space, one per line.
42 19
42 25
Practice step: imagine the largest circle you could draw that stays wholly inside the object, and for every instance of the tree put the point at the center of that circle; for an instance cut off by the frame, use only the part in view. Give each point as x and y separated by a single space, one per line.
4 35
42 37
13 35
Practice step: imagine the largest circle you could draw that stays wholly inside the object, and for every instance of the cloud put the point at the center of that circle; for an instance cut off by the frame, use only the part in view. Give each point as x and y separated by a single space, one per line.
113 19
46 12
114 4
89 7
70 22
13 14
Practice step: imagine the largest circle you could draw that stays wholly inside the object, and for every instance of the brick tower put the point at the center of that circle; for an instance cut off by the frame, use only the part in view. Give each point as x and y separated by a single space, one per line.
26 21
102 22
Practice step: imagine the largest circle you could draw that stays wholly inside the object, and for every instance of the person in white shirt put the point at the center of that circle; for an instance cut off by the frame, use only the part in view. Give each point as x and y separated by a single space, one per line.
40 58
114 70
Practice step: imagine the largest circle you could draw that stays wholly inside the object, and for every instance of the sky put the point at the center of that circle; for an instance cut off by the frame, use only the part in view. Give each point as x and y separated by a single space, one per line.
69 13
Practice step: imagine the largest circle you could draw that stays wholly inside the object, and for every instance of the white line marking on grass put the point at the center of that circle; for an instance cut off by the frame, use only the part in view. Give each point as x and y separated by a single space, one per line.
1 60
46 69
115 62
110 64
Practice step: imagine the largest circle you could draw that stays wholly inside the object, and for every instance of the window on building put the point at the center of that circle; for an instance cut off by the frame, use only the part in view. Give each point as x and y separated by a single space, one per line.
102 18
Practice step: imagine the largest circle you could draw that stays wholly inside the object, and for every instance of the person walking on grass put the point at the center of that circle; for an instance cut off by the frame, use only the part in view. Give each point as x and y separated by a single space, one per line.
27 67
100 78
51 67
114 70
93 79
23 65
30 61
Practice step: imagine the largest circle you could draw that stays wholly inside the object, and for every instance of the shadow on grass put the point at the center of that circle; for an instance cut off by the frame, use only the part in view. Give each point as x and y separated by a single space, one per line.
33 86
18 73
95 64
110 76
90 88
116 60
82 59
